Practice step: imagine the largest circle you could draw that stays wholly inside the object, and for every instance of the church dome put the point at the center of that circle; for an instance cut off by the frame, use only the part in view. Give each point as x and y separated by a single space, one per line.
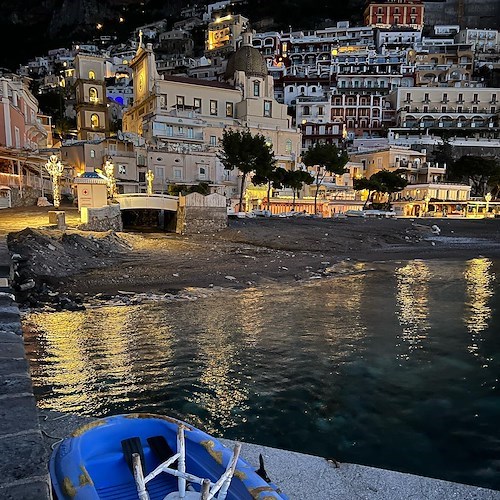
247 59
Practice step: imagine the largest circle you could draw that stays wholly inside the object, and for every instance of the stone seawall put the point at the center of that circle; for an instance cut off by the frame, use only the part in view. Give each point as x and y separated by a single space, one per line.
23 456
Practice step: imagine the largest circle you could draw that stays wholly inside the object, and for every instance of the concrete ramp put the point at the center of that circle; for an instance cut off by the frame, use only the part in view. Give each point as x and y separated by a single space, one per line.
142 201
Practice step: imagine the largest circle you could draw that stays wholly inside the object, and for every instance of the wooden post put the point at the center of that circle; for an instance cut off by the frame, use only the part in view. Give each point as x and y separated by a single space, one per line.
205 489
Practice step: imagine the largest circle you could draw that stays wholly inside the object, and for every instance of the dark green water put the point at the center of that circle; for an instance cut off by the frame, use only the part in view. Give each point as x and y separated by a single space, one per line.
397 366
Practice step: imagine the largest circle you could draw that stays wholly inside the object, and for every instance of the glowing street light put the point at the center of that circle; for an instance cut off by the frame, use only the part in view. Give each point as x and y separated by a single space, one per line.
55 168
150 178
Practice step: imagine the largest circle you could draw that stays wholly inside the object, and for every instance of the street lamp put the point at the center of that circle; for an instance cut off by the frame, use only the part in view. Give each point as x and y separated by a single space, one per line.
55 168
150 178
487 197
426 206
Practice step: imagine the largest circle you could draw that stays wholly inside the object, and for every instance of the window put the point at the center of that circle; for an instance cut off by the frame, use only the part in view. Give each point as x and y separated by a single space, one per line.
93 95
213 140
202 173
197 104
122 169
229 109
17 135
213 107
170 130
321 110
92 153
268 108
177 173
256 88
180 101
190 133
443 109
288 146
94 121
91 75
159 173
305 111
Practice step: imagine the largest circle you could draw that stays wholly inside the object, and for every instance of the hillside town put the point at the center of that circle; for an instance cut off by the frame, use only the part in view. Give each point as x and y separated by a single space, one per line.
391 95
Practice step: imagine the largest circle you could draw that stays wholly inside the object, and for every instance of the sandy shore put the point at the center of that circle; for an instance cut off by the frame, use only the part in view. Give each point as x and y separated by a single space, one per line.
262 251
249 252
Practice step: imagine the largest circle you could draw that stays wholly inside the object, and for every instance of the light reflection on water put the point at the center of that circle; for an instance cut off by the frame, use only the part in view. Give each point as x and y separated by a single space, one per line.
396 367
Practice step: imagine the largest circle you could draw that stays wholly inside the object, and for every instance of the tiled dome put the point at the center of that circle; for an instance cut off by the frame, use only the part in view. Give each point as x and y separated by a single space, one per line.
247 59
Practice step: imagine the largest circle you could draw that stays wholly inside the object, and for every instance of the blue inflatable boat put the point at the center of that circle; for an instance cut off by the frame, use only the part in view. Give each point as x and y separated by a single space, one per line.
152 457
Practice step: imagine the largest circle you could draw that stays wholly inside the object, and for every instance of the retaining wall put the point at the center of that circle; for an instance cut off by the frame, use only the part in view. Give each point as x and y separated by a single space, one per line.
23 456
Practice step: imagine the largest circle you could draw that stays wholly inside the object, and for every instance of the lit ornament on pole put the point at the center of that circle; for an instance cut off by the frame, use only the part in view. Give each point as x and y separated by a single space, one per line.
55 168
150 178
109 171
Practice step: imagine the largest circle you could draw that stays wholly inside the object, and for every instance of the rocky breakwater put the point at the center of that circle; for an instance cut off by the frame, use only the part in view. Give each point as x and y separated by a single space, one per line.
45 256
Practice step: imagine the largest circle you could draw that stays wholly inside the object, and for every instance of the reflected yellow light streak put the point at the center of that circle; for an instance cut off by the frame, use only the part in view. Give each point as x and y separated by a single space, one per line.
412 297
479 288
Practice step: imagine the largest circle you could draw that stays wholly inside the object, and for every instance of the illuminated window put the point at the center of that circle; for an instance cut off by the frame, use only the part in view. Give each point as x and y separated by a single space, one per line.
91 75
92 153
94 121
213 108
288 146
197 104
229 109
93 95
180 101
213 140
122 169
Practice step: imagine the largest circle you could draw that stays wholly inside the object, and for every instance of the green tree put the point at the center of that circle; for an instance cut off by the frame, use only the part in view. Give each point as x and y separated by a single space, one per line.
295 179
326 158
247 153
476 171
273 178
390 182
372 186
444 153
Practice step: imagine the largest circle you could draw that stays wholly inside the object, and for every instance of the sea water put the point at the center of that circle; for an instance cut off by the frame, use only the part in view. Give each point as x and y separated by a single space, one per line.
395 365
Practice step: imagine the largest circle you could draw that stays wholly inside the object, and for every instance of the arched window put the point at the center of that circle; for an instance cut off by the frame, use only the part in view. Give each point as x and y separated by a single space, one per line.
92 153
91 75
288 146
93 95
256 88
94 121
302 90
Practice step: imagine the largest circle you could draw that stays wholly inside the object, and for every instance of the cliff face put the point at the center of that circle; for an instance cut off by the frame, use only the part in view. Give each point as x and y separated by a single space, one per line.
466 13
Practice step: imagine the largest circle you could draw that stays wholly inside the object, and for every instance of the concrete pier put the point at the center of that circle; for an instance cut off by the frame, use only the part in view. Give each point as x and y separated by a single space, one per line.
23 455
305 477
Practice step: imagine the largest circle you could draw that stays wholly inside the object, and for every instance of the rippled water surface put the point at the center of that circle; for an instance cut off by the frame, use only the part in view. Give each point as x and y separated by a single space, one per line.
395 366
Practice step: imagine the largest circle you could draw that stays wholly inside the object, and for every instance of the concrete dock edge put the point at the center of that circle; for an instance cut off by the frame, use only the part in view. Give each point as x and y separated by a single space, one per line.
307 477
23 454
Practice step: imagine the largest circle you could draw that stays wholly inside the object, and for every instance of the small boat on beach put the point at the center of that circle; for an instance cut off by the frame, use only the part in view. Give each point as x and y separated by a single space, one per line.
152 457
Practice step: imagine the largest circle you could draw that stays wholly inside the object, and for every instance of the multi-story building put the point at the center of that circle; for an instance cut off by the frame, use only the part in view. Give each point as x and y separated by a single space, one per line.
449 108
183 119
223 33
480 40
442 62
21 126
387 13
88 156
